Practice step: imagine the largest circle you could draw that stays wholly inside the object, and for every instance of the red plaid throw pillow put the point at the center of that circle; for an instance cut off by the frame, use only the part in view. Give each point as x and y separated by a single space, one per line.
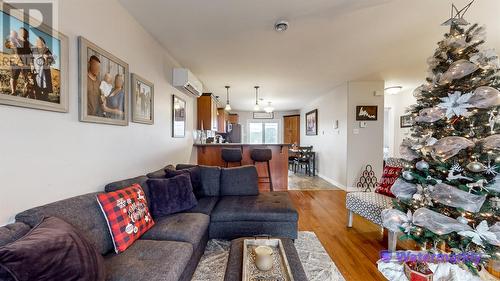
391 174
127 214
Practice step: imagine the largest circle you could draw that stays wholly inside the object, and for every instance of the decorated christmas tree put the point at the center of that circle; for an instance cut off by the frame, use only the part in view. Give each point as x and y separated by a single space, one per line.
447 196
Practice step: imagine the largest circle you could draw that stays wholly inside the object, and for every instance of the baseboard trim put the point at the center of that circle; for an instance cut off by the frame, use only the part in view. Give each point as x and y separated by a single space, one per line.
332 181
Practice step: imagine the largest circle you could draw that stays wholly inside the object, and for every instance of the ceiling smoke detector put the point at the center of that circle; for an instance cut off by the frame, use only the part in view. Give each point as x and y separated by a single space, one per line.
281 26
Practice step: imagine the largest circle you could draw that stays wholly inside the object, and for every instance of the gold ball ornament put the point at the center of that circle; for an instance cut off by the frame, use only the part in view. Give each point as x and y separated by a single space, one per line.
476 167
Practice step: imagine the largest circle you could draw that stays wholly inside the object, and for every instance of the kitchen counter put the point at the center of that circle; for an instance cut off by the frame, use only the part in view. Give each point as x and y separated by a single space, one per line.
210 155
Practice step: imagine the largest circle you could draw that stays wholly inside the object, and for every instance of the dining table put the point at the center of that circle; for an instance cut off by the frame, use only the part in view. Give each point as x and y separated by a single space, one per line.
295 152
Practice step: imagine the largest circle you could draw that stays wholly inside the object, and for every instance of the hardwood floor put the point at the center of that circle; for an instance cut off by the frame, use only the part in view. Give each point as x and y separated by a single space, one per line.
354 250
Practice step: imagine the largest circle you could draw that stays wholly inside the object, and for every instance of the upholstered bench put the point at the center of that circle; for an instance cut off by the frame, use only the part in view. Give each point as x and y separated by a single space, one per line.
370 205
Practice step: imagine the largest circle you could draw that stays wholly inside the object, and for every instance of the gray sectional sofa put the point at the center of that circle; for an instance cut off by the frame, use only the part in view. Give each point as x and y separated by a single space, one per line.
172 249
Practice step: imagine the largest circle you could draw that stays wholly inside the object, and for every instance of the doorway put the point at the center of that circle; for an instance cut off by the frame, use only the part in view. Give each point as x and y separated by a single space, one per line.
291 129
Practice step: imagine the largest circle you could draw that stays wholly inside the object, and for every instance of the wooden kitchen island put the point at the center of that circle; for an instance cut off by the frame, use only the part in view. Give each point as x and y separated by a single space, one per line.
210 155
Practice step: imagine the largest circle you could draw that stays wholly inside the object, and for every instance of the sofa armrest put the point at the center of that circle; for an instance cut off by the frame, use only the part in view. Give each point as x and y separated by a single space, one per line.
239 181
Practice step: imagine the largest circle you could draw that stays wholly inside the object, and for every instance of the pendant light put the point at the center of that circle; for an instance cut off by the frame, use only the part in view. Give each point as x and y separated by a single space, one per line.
256 107
269 108
228 106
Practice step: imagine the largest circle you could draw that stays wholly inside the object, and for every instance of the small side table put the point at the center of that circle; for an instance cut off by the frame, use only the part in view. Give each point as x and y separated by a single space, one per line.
234 269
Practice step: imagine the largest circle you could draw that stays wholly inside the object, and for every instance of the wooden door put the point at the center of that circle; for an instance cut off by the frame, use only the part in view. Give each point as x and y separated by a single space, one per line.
291 129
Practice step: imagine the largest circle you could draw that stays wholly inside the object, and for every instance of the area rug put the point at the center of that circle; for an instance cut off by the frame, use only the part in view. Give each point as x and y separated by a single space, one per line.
316 262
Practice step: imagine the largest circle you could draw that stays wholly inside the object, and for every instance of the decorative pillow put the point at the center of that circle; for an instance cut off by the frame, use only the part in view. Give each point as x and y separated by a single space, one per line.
194 174
171 195
390 175
127 214
50 250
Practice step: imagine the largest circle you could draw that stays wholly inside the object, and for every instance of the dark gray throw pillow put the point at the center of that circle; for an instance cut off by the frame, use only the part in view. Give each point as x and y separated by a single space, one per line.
52 250
194 175
169 196
239 181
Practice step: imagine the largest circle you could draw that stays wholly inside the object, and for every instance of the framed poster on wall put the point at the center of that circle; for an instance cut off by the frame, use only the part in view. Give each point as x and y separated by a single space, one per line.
312 123
178 117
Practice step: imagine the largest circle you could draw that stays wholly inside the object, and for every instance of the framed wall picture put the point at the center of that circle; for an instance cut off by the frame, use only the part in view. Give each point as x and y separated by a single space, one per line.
263 115
104 84
312 123
36 72
178 117
366 113
406 121
142 100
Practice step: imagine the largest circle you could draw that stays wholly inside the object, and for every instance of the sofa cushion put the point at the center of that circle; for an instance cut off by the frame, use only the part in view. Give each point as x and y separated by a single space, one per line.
368 205
205 205
160 173
183 227
239 181
209 177
50 250
127 215
148 260
82 212
140 180
172 195
268 206
12 232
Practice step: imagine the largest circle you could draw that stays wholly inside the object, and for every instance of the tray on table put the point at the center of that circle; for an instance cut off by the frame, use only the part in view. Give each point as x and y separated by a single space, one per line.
281 268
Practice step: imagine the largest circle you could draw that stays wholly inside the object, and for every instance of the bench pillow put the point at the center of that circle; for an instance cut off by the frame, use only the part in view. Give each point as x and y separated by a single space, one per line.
390 175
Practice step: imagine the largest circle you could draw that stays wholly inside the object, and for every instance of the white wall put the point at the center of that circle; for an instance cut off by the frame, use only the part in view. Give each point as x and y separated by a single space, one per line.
247 116
46 156
342 154
330 144
398 104
366 147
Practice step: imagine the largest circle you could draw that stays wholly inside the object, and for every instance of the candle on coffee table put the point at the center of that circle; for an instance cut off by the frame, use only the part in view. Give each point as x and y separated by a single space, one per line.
264 258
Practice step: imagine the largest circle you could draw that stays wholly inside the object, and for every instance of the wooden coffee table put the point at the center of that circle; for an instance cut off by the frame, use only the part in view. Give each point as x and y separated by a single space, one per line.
234 269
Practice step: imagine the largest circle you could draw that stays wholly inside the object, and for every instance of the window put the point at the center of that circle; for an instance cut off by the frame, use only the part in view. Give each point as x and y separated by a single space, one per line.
263 132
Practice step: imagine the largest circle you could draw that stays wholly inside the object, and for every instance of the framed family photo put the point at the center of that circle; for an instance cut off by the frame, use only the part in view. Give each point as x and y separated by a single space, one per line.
178 117
312 123
142 100
104 82
34 62
406 121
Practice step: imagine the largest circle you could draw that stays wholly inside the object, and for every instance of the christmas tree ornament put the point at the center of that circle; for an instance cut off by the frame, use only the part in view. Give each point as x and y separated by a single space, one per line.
454 197
491 170
448 147
477 186
437 222
491 142
455 173
430 115
476 167
406 152
394 220
497 159
457 70
485 97
403 189
495 185
456 104
408 176
483 234
422 165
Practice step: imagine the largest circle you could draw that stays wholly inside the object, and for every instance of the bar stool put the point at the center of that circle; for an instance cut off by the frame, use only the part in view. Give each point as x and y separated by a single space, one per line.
263 155
233 155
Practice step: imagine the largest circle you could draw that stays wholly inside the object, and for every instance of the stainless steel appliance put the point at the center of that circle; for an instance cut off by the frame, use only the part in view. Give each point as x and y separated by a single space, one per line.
234 136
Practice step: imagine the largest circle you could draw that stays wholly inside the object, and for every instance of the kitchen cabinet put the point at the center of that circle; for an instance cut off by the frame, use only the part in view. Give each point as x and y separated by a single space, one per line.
234 118
207 112
222 119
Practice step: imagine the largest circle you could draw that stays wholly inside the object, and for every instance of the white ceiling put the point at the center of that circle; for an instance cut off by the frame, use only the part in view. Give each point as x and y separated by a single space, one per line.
232 42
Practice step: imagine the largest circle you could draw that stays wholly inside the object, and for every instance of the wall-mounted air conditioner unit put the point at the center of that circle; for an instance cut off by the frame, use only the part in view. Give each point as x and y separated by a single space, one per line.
185 80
